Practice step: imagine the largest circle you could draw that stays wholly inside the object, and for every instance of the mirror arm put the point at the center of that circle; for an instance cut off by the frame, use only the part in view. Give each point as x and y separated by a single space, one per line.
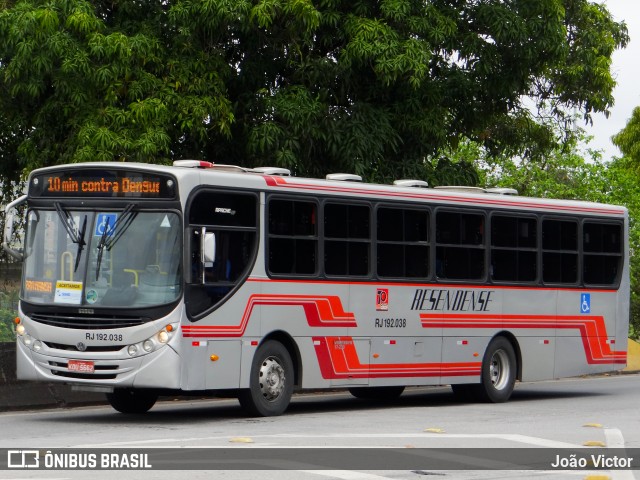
8 227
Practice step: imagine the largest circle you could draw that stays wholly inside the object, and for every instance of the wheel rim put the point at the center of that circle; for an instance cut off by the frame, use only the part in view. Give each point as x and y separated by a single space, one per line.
272 379
499 369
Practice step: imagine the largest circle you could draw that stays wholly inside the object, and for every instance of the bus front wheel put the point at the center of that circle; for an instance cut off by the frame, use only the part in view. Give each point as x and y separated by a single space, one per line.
498 375
131 401
271 381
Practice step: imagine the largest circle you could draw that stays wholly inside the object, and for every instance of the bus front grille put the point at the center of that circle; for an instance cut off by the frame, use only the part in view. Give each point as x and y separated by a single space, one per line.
88 322
89 348
102 372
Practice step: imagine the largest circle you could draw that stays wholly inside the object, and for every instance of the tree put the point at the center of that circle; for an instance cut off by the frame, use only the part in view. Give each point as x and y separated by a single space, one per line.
628 140
374 87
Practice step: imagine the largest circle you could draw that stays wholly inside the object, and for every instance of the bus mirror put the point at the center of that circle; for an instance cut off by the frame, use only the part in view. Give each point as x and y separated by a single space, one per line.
8 234
207 249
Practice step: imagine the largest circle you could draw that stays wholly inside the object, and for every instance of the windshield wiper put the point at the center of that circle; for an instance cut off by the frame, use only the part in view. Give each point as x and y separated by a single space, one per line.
101 245
119 227
76 235
81 243
68 223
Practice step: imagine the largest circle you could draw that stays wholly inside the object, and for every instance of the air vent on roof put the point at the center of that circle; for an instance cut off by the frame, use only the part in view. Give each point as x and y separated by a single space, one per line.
235 168
192 164
411 183
502 191
495 191
283 172
344 177
458 188
203 164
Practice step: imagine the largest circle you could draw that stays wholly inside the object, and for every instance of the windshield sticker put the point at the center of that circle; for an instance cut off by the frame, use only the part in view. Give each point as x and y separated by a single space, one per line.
91 296
68 292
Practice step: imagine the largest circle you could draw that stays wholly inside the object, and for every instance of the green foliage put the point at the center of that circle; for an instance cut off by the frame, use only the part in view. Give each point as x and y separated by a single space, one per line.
7 330
628 140
378 87
8 308
87 81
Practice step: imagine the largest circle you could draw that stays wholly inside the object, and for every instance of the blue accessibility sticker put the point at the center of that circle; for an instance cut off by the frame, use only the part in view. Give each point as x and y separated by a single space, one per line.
585 303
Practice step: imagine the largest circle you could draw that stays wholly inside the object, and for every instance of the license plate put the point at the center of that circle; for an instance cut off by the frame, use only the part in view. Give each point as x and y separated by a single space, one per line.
80 366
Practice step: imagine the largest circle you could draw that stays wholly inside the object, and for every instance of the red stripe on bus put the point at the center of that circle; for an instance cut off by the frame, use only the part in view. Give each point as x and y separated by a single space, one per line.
338 359
320 311
592 328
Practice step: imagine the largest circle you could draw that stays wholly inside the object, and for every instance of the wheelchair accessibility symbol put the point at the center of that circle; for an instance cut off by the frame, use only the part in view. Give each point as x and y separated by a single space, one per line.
105 221
585 303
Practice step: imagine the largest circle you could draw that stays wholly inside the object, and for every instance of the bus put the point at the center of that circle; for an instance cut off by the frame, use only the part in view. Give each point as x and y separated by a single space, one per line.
143 280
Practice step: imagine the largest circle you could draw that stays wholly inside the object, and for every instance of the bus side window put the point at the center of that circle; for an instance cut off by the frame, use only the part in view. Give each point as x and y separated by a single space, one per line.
460 245
229 222
292 237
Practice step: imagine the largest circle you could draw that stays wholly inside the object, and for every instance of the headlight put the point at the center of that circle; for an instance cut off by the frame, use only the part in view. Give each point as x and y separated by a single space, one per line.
20 330
159 339
147 345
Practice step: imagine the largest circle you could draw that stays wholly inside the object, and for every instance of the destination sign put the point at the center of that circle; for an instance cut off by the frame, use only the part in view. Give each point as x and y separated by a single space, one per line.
92 183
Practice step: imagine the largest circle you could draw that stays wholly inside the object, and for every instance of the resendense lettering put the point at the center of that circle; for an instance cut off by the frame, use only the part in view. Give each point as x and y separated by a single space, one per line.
441 300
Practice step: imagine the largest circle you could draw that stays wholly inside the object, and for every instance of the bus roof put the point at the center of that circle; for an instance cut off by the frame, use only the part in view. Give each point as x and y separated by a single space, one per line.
276 179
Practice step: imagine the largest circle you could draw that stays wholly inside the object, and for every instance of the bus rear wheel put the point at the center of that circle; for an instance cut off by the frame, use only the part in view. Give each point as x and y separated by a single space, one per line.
498 375
132 401
271 381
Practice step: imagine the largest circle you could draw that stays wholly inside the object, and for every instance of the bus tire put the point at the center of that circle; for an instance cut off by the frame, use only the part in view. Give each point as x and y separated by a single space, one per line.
270 383
498 376
376 393
132 401
498 371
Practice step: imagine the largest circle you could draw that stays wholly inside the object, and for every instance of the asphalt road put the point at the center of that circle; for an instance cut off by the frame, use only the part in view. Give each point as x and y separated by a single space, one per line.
602 412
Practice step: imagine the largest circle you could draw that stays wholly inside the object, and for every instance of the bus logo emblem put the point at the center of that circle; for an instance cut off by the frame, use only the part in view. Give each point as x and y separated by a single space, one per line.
585 303
382 299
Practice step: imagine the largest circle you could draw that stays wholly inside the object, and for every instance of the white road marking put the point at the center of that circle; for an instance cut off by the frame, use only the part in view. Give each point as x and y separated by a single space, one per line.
345 474
615 439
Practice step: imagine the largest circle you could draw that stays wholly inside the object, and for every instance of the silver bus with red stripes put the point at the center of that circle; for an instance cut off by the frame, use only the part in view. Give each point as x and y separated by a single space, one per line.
146 280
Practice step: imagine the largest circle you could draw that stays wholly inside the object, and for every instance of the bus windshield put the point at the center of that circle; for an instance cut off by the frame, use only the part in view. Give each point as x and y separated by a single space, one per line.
112 258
